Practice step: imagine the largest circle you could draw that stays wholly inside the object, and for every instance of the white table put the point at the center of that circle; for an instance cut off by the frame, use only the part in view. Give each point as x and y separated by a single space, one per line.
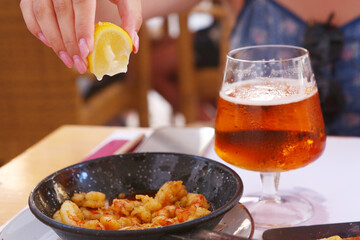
331 183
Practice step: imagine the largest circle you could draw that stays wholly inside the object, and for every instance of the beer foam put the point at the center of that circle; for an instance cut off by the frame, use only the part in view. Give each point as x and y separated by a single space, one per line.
261 92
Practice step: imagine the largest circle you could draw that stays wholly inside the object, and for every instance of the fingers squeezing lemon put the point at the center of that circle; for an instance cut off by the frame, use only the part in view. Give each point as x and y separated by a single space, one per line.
112 48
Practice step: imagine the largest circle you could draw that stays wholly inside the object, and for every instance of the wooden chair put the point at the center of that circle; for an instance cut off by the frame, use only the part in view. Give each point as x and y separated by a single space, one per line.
38 93
200 84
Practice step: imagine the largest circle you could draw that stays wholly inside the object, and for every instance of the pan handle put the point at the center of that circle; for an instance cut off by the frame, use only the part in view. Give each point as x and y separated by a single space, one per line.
202 234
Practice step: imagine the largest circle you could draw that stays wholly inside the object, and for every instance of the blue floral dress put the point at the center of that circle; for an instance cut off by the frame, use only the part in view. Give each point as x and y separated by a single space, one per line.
268 22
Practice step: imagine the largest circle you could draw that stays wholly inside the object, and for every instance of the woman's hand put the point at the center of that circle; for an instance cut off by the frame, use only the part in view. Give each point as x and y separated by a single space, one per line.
67 26
130 12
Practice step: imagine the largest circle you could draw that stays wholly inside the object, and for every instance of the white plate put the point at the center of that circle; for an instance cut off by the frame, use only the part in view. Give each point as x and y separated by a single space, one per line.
24 225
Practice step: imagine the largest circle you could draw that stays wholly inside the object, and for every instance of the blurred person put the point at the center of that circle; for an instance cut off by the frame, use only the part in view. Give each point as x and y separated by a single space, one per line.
330 29
165 61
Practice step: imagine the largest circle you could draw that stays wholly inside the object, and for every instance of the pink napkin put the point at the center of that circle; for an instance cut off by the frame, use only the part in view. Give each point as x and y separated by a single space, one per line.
116 146
108 149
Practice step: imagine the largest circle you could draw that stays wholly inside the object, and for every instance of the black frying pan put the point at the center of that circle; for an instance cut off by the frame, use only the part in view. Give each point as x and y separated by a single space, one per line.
137 172
314 232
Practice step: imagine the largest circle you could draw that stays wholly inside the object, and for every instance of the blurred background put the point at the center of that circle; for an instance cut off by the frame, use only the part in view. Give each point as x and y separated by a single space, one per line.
173 80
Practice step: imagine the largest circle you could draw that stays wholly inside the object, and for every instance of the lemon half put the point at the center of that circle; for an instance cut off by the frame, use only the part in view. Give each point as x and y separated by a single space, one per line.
112 49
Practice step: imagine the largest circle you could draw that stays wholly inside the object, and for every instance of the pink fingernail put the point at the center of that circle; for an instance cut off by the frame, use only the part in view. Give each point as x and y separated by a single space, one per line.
66 59
79 64
136 43
84 49
42 37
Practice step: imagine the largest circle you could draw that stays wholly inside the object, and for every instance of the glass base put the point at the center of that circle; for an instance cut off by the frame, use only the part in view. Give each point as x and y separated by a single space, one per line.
285 211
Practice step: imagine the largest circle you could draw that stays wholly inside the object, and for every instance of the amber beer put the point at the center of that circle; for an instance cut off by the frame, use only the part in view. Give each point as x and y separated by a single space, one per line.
269 128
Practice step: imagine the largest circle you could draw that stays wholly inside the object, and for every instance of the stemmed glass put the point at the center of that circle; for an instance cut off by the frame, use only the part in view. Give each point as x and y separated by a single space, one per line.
269 120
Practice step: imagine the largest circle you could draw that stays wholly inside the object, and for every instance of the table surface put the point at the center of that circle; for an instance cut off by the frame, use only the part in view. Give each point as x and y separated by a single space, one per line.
65 146
331 182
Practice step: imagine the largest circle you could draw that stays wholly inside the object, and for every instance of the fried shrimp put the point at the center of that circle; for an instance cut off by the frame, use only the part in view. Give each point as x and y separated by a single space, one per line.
172 204
94 200
171 192
71 214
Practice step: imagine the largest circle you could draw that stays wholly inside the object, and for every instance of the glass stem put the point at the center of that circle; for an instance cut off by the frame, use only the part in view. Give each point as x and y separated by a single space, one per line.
270 183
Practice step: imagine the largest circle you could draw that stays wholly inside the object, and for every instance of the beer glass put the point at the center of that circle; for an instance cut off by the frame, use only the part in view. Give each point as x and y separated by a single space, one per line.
269 120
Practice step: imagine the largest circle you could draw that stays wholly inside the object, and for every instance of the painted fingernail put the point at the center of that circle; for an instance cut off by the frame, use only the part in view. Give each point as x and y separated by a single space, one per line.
136 43
84 49
66 59
79 64
42 37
